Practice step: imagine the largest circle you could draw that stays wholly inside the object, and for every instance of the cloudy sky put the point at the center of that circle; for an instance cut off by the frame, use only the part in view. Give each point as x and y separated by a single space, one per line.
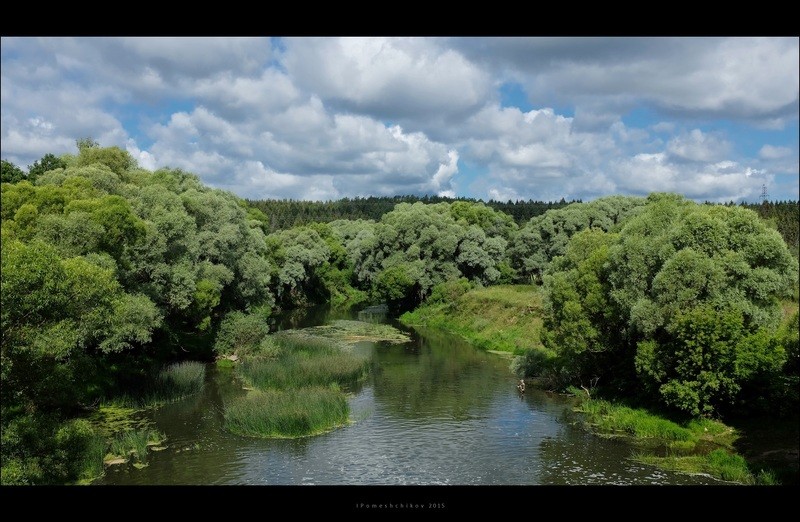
502 118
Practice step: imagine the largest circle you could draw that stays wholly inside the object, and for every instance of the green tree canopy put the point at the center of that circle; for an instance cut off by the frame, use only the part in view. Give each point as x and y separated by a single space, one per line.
683 300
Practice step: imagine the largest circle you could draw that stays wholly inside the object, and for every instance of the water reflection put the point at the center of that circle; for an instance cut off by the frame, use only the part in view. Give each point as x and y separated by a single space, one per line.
434 411
437 376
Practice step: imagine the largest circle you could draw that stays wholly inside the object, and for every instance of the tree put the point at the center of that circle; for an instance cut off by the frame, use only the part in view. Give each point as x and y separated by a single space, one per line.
706 359
431 244
47 163
546 236
86 143
683 302
10 173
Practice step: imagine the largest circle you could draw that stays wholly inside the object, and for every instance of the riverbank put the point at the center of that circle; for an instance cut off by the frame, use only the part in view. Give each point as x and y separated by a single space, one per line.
504 318
689 445
508 319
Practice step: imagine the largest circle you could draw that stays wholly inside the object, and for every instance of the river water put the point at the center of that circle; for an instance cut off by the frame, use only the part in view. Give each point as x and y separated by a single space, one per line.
433 411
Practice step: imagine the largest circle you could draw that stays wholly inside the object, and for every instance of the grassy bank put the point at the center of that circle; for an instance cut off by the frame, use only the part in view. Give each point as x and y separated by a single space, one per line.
689 446
508 319
504 318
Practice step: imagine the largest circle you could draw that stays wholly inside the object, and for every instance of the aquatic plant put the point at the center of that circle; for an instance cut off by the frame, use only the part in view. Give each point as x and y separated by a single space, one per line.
287 414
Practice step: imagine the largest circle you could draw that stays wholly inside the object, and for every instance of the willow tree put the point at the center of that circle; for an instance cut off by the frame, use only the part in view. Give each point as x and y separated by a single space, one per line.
546 236
682 302
415 247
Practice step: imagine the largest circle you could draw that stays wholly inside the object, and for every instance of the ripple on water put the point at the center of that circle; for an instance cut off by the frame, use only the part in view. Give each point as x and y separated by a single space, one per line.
437 412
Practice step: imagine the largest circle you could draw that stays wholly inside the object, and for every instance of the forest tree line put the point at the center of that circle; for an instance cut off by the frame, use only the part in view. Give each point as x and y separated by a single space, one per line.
784 216
288 213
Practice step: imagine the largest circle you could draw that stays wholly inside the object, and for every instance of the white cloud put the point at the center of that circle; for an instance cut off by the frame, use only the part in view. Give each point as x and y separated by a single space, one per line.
721 181
444 174
666 127
387 77
535 154
698 146
143 158
333 117
303 149
769 152
755 78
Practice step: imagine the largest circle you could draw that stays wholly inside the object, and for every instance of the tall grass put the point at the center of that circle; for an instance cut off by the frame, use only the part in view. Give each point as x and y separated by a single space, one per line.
180 380
172 383
606 417
681 440
91 460
718 463
284 414
134 443
294 370
298 378
729 466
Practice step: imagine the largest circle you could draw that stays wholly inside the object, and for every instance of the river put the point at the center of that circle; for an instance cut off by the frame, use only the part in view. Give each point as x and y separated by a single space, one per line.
433 411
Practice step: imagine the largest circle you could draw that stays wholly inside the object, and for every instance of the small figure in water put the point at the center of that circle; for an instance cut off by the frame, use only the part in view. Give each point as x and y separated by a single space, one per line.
521 386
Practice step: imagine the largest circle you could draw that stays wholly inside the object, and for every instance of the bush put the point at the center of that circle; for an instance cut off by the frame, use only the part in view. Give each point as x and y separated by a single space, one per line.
42 450
536 362
240 333
449 291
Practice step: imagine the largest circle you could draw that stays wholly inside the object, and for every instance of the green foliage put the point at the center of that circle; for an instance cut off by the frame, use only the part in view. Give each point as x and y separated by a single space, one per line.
86 143
180 380
39 449
287 414
546 237
415 247
240 333
283 214
46 164
302 255
10 173
449 291
784 216
131 323
789 338
399 286
114 158
540 363
54 312
99 258
682 301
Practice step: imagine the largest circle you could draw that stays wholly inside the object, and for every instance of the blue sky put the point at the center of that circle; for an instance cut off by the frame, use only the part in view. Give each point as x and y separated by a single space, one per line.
502 118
